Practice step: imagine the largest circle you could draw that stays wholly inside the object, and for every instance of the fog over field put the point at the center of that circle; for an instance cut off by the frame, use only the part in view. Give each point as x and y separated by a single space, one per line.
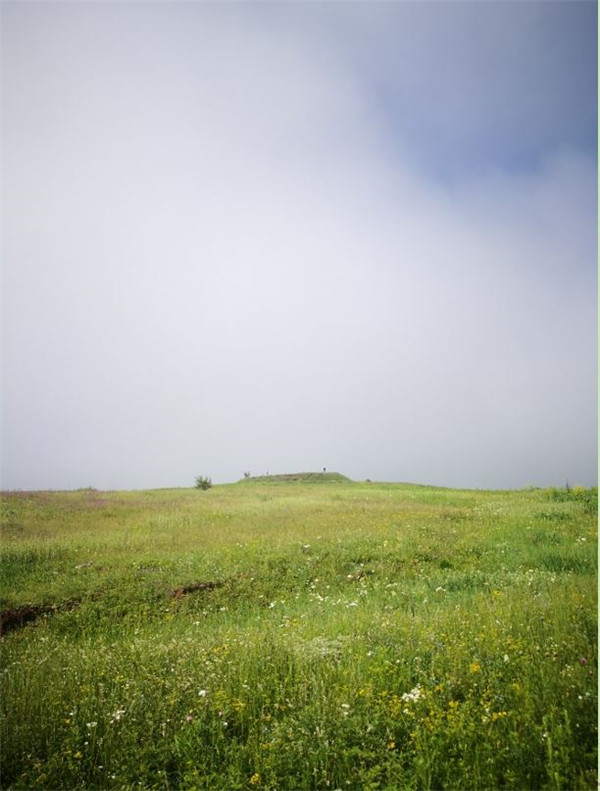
258 236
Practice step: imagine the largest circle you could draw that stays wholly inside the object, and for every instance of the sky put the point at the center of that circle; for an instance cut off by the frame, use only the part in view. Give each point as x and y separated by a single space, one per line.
278 237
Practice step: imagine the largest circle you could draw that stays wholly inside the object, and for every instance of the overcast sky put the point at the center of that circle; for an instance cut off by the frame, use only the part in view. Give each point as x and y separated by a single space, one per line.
288 236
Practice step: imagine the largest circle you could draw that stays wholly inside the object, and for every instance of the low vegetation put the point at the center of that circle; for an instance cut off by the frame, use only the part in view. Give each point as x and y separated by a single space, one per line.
303 633
299 477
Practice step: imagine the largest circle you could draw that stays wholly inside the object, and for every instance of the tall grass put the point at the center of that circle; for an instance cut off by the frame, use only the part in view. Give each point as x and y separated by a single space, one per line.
304 636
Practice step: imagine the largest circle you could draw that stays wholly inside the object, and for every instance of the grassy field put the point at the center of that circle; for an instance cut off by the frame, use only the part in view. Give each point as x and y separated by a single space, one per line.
305 632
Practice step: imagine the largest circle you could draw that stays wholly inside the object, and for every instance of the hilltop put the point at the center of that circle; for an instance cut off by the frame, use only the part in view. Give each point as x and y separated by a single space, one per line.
300 477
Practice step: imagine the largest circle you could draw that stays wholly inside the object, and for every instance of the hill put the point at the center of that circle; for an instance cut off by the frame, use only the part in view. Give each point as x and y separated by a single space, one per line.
300 477
316 635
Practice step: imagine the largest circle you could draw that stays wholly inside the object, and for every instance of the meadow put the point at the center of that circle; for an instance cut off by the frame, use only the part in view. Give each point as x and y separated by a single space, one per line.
299 633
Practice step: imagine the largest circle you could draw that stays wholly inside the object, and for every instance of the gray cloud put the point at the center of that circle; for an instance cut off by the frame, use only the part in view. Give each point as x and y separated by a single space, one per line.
477 85
221 252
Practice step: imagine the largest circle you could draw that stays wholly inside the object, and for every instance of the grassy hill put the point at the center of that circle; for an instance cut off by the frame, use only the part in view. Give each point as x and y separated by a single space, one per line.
299 477
340 635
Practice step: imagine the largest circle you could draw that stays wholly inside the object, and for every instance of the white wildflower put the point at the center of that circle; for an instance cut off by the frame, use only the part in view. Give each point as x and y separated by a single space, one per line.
413 695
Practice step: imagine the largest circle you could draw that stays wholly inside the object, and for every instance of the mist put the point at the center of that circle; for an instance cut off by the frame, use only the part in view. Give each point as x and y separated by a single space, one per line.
258 237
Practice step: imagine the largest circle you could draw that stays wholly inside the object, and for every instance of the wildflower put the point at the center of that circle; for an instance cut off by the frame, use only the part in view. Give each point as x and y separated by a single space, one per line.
91 724
255 779
202 693
189 718
583 660
413 695
475 667
506 658
116 716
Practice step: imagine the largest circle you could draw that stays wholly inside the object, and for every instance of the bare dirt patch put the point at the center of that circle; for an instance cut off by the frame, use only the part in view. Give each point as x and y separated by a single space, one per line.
17 617
193 587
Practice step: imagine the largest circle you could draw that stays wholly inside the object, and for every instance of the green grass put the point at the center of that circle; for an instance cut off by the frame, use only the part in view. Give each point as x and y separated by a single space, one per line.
300 632
299 477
